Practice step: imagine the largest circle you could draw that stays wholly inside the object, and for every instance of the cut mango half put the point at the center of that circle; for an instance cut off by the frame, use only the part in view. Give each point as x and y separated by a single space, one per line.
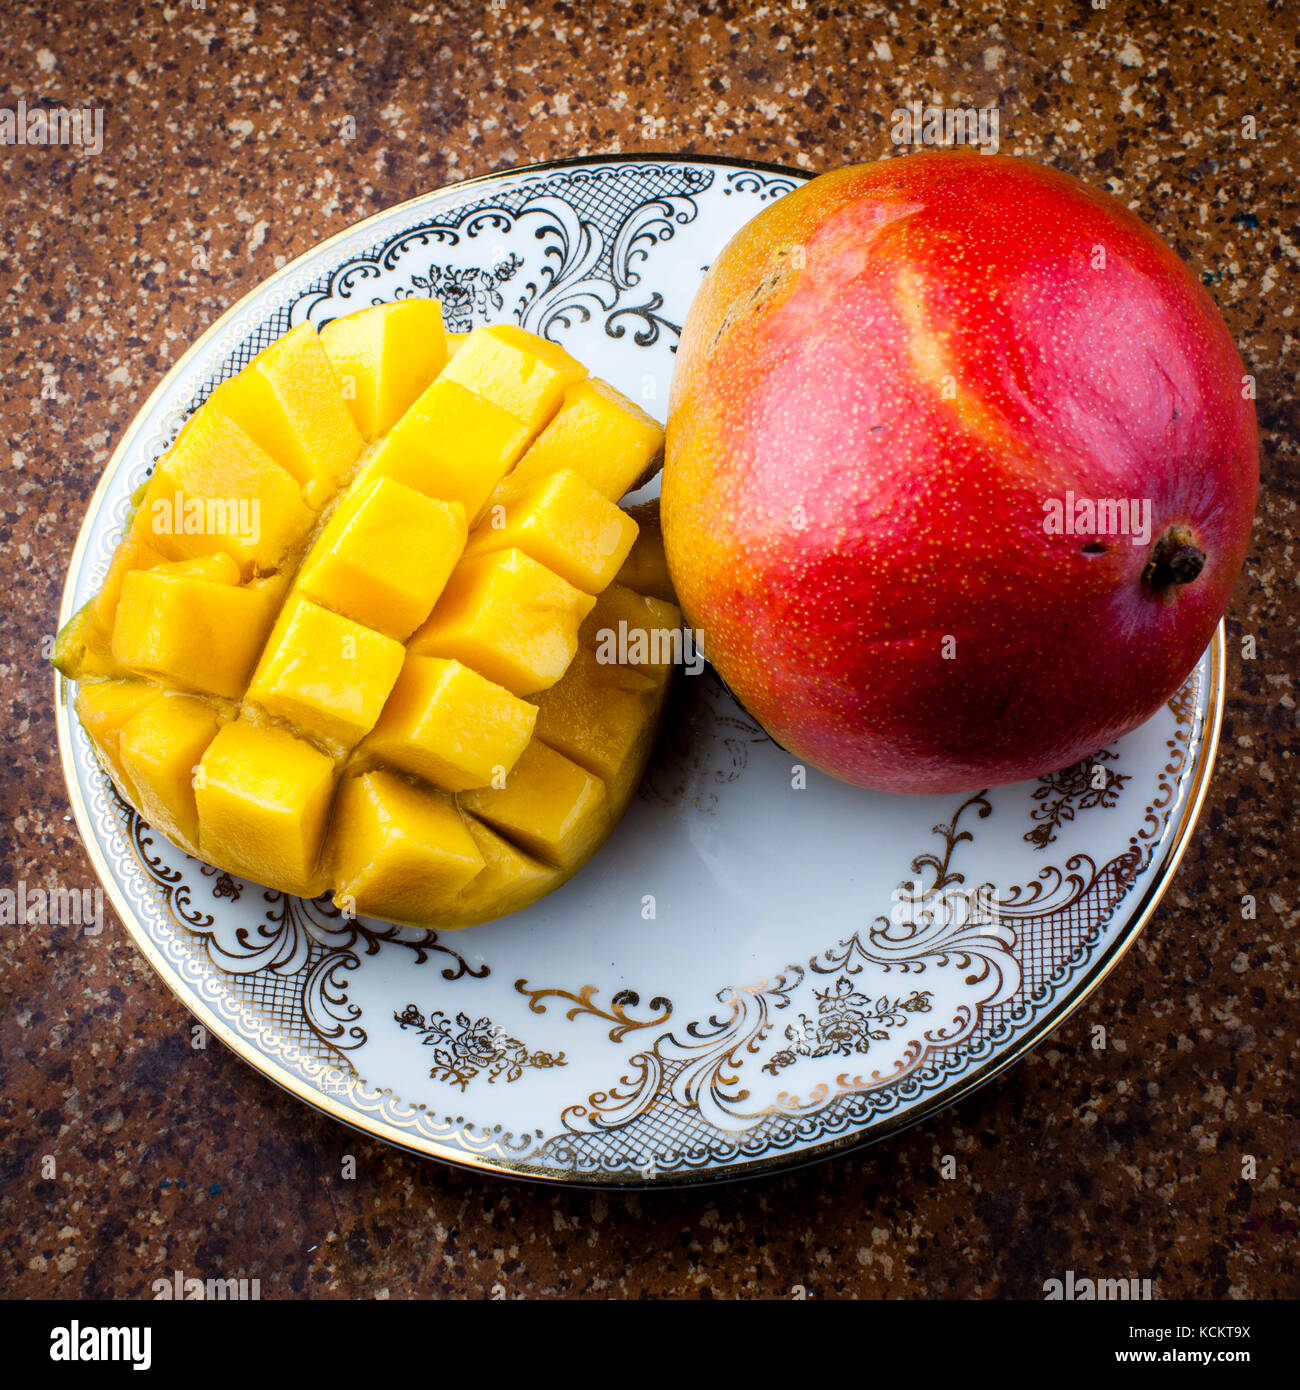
363 629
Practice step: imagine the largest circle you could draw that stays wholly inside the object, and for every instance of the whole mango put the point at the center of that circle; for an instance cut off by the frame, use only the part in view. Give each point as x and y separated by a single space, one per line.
960 471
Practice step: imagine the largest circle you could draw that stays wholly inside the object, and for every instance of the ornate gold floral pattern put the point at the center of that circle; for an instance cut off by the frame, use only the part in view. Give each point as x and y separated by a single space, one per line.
464 1048
621 1022
700 1073
1060 794
846 1022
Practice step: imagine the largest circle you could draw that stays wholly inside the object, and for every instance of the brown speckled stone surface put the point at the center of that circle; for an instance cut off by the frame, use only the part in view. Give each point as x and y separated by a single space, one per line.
223 132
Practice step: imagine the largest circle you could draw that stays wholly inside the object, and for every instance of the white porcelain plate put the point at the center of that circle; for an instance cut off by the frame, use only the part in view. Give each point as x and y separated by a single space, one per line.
750 974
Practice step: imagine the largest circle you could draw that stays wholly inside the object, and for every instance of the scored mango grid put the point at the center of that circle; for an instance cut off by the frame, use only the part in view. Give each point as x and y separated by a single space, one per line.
291 568
349 757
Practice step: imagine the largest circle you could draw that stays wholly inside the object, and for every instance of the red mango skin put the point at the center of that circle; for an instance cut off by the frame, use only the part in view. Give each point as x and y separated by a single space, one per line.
883 378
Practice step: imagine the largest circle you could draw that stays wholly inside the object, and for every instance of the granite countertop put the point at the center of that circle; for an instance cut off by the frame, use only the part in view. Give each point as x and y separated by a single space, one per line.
223 131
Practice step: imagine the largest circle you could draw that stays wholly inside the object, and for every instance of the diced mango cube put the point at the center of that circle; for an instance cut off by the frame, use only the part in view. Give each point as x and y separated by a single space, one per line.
565 524
384 556
104 708
396 849
597 432
161 748
515 370
509 618
598 716
631 629
549 807
192 632
215 490
510 880
325 674
290 401
215 569
450 725
263 799
387 355
455 341
134 552
451 444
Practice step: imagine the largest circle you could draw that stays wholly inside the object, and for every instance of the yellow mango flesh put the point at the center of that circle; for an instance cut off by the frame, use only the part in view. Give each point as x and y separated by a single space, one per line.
161 748
384 556
635 630
446 723
217 491
101 612
192 632
263 799
646 569
394 848
325 674
509 881
549 806
596 715
452 445
518 372
354 693
510 618
565 524
104 708
385 357
598 433
604 715
289 400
